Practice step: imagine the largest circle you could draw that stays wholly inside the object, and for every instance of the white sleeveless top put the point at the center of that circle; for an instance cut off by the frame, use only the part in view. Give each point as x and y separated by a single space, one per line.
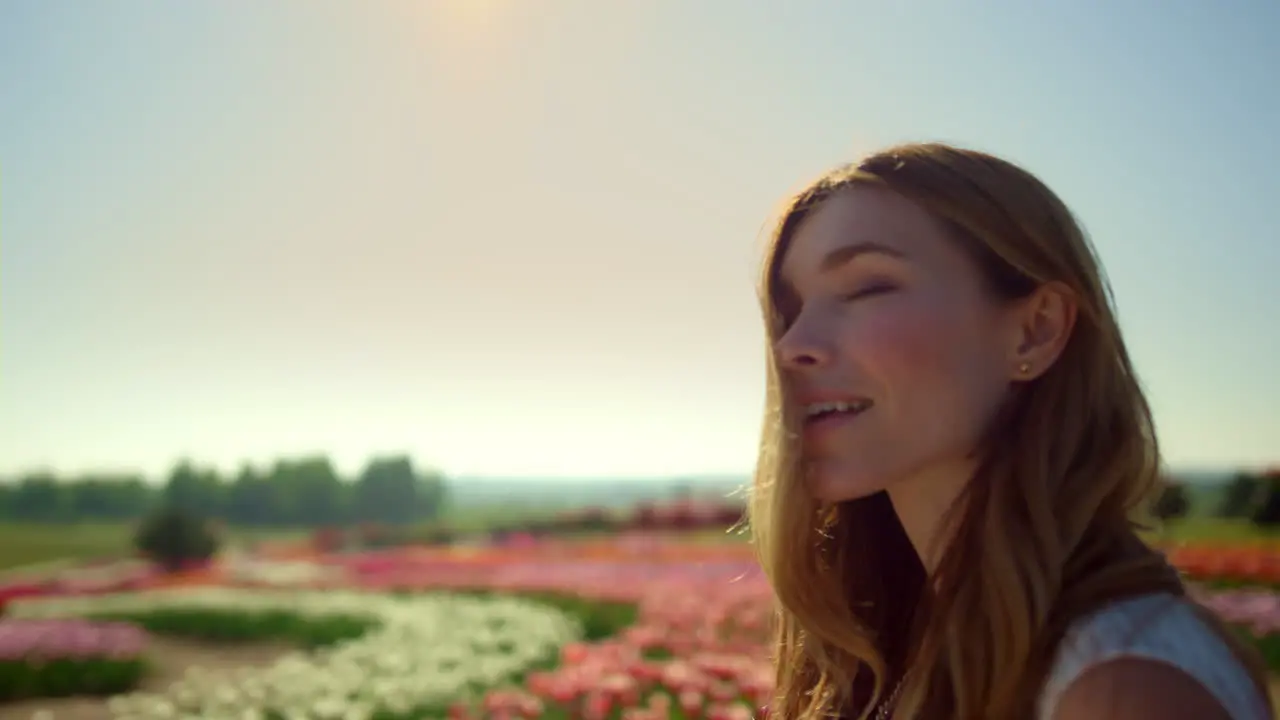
1157 627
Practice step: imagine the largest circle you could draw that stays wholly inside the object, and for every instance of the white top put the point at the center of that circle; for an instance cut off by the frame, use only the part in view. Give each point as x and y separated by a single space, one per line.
1156 627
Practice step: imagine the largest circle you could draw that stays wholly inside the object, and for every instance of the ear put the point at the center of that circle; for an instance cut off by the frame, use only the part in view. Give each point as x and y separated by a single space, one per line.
1041 325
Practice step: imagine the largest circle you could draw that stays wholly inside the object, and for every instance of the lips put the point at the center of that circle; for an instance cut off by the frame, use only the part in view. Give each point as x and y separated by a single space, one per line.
826 409
827 416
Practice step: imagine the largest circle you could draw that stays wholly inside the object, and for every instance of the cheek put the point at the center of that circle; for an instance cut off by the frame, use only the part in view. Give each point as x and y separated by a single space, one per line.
924 355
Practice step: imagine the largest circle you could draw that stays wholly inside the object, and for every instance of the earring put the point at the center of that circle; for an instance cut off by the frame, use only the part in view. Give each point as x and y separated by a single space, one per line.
1024 368
828 516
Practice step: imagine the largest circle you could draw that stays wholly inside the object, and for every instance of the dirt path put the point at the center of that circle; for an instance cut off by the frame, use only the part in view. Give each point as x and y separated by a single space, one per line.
169 659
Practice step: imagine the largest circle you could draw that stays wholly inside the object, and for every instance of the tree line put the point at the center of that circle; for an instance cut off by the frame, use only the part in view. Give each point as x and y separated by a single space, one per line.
301 492
1246 496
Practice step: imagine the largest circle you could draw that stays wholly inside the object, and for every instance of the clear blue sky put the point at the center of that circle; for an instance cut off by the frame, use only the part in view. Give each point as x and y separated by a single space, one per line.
518 237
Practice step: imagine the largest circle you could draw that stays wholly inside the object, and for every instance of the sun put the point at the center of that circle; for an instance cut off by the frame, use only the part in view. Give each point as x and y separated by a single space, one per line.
453 18
472 10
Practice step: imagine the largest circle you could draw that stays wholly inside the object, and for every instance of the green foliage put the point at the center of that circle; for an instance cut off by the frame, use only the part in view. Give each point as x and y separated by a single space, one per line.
23 679
390 491
174 537
1268 646
1242 496
436 534
53 546
1267 514
37 497
1172 503
64 677
600 619
239 626
297 492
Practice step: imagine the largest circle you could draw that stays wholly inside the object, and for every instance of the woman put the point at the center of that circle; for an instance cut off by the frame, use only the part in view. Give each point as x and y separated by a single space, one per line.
954 443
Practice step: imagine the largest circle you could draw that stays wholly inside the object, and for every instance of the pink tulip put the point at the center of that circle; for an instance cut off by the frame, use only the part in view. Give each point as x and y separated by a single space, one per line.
40 640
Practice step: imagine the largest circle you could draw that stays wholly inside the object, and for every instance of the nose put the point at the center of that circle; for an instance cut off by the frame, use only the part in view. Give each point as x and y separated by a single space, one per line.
800 348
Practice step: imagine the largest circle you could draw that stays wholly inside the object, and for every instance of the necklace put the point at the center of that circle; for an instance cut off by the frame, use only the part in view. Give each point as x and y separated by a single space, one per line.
886 707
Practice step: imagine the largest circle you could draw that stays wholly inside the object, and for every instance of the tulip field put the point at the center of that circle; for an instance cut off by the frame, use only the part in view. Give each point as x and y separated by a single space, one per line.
635 627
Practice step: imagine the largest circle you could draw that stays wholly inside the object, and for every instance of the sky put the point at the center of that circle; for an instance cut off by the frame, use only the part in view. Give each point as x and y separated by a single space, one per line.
521 238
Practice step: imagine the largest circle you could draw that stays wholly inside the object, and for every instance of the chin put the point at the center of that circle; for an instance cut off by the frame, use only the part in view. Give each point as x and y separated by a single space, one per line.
836 485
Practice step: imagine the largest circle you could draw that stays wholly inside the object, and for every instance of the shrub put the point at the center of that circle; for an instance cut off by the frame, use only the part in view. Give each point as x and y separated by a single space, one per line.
1172 503
1268 512
174 539
1242 496
438 535
241 625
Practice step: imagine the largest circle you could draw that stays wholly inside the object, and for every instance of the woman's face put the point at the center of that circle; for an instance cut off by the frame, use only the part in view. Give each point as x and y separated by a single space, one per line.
894 348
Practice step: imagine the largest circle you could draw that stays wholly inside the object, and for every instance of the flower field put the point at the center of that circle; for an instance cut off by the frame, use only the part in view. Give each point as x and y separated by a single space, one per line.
46 657
1252 563
421 652
633 627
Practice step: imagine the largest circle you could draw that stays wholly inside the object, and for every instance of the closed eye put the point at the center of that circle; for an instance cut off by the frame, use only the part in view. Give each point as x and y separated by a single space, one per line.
870 291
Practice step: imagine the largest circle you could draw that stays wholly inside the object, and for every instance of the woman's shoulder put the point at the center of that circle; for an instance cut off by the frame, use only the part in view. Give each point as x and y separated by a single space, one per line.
1159 627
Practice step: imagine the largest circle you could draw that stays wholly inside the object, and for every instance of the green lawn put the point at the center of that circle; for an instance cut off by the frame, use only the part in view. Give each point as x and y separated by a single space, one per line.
25 544
1214 530
28 544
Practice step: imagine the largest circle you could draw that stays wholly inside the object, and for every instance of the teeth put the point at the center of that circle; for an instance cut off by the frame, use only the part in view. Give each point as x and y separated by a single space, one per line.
827 407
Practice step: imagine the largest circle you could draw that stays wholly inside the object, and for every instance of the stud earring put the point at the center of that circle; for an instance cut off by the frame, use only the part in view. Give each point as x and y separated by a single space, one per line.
828 515
1024 368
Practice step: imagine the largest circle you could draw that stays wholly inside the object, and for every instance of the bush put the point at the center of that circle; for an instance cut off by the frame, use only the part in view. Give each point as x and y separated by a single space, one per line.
65 677
600 619
1268 512
1172 503
1242 496
237 626
437 535
174 539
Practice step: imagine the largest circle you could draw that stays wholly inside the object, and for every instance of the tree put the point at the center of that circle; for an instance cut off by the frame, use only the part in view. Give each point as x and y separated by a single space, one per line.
1172 503
195 490
294 492
1268 511
433 494
39 497
389 491
1241 496
251 499
108 497
315 493
174 538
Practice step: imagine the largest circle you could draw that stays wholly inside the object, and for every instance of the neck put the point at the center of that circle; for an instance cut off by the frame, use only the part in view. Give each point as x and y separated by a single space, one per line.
922 504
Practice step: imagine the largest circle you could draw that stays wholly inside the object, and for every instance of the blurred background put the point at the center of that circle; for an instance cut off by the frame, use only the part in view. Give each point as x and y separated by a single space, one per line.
460 293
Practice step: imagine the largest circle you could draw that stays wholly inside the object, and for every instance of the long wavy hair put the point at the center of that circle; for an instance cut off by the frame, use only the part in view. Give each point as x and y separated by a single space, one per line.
1045 531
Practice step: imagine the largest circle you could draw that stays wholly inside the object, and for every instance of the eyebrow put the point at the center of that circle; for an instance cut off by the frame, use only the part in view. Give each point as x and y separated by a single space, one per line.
845 254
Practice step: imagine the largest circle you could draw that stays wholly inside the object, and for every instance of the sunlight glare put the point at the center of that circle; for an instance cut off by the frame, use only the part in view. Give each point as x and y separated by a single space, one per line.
472 11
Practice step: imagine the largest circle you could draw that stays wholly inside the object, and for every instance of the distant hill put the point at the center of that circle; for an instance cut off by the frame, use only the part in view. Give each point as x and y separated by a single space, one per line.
555 493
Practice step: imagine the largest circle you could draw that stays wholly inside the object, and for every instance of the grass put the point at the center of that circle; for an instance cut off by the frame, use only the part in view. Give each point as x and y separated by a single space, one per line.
37 544
218 625
1213 530
27 544
23 544
31 544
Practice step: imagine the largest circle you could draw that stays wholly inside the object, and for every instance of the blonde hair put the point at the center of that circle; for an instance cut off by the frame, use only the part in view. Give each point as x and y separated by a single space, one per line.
1044 536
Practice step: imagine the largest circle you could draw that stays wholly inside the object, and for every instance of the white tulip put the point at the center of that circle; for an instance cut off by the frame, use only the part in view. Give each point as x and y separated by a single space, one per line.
427 651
